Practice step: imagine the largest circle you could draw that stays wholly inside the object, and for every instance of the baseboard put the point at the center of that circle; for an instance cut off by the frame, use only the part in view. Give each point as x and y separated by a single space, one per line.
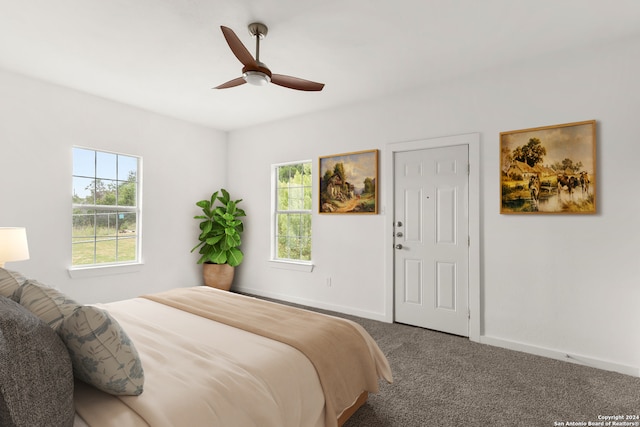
315 304
497 342
559 355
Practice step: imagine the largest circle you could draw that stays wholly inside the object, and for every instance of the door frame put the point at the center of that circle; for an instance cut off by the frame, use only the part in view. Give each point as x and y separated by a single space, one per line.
472 140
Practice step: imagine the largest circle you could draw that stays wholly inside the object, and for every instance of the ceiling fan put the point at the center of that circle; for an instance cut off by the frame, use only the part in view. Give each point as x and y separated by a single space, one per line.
256 72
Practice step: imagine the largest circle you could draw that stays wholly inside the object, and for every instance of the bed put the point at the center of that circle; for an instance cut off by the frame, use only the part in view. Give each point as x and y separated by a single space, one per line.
213 358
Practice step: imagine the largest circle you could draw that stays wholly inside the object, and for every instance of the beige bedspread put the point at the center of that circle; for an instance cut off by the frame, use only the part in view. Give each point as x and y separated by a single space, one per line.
346 358
200 373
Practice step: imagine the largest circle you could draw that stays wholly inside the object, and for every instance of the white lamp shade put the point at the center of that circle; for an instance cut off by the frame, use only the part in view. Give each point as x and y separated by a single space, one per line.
13 244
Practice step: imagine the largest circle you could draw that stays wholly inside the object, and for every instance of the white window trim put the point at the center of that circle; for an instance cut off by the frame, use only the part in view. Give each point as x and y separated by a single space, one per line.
302 266
103 270
286 264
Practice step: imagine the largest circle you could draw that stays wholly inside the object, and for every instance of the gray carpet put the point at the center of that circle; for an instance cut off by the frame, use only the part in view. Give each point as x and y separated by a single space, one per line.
443 380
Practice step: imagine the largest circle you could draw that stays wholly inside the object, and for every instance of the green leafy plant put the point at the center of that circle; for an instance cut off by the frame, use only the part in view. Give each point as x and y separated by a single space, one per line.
220 230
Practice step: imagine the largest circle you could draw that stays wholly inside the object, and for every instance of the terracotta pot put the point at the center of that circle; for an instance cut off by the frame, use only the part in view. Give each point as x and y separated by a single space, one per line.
218 276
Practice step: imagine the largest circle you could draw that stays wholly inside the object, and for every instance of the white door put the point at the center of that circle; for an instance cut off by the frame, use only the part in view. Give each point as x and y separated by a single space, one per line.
431 278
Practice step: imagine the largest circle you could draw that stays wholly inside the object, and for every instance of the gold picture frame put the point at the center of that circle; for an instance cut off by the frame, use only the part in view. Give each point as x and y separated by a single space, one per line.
549 170
349 183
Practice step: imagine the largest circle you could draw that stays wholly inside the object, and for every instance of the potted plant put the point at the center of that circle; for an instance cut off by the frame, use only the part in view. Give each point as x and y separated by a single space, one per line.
220 231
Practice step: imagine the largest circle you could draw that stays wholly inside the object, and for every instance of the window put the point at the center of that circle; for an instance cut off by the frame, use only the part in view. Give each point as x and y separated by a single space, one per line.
292 212
106 208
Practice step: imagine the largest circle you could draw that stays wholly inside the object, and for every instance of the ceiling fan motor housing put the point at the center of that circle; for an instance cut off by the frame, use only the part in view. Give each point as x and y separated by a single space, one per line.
258 29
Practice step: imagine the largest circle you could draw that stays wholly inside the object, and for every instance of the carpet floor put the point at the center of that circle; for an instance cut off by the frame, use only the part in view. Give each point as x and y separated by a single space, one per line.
443 380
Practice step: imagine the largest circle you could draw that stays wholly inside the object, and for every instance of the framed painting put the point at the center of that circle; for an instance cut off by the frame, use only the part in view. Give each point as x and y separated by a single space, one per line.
349 183
549 170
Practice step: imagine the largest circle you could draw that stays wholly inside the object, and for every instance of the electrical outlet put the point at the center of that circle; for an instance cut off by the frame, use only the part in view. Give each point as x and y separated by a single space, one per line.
328 282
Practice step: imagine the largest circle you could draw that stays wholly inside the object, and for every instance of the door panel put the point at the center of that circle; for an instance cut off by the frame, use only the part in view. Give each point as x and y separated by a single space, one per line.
431 232
413 278
446 216
446 285
413 223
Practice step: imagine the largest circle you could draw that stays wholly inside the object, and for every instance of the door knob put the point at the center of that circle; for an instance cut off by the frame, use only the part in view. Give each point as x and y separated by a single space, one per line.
398 246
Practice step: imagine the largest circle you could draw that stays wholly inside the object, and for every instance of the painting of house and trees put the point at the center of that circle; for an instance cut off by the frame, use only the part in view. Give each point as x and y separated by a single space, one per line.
550 169
349 183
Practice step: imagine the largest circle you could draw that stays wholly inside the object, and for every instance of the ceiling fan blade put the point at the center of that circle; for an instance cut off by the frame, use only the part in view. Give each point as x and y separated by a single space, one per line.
231 83
295 83
238 49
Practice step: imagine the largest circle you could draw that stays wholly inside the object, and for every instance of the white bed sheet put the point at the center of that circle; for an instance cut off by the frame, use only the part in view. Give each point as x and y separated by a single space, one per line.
203 373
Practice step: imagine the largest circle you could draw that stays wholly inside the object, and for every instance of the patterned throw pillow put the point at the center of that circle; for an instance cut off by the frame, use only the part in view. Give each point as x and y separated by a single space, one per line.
36 378
47 303
101 352
10 282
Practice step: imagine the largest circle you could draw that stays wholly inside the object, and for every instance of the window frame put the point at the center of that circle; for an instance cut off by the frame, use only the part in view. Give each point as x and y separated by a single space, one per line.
88 270
288 263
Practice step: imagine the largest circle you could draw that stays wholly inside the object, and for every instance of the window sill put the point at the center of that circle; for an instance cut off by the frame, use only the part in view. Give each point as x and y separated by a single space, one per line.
103 270
294 266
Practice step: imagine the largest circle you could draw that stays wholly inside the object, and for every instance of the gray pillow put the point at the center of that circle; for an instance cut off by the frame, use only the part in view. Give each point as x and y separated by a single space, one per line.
36 376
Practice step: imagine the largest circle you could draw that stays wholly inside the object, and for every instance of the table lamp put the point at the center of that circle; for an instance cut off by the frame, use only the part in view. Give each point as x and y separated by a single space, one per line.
13 244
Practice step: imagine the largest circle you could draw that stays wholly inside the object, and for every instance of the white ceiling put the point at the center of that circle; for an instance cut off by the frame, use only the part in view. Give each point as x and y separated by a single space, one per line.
166 55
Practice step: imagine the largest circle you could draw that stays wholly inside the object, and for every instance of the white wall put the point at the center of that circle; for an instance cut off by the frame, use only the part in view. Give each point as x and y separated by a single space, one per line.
552 285
182 163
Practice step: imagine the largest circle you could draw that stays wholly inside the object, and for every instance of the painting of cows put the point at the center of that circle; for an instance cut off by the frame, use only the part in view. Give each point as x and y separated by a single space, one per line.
549 170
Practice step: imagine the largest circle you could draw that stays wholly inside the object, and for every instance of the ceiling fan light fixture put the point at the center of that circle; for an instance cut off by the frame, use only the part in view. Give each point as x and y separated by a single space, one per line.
257 78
